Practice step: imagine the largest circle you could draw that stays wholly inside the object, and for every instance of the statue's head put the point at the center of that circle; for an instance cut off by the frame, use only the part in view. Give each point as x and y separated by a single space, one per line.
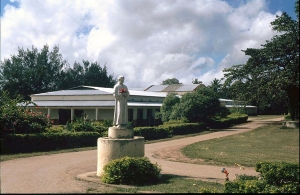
121 78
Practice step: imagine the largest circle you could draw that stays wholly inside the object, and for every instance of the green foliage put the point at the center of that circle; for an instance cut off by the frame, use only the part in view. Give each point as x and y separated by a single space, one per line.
167 107
18 119
32 71
288 117
216 86
207 190
152 133
171 81
275 177
197 106
24 143
131 171
271 75
184 128
82 124
91 74
168 130
230 120
279 173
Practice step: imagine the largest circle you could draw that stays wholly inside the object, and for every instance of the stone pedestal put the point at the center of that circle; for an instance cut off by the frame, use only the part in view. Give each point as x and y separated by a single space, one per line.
120 142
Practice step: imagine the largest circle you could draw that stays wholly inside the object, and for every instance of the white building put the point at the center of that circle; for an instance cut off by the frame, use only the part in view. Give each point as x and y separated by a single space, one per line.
98 103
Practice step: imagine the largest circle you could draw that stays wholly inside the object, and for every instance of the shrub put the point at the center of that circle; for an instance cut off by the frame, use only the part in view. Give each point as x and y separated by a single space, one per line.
152 133
81 124
231 119
197 106
275 177
183 128
278 173
131 171
17 119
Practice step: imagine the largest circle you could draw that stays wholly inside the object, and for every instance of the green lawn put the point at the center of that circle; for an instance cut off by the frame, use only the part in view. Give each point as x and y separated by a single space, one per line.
268 143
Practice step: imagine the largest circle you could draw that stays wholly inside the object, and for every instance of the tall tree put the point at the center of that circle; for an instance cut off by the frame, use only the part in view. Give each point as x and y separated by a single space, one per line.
31 71
216 86
91 74
171 81
196 81
272 72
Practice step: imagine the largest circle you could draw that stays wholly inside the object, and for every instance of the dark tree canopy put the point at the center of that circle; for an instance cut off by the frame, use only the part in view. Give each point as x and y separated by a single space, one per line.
32 71
171 81
196 81
90 74
271 74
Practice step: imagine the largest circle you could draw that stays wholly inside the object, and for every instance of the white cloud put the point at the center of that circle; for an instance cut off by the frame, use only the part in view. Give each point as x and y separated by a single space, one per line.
146 41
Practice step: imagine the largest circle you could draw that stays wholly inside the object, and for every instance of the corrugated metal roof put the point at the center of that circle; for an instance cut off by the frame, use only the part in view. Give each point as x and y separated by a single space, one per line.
190 87
156 88
90 90
90 104
73 92
173 88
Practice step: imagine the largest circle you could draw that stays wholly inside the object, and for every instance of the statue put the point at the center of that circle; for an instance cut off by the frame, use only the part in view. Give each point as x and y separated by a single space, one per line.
121 94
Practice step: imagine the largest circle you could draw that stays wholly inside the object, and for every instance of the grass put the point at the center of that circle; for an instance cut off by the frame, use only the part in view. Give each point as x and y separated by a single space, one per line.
272 142
168 184
267 143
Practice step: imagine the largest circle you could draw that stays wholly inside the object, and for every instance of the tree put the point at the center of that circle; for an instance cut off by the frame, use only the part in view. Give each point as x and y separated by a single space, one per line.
91 74
31 71
167 106
195 81
216 86
271 74
197 106
171 81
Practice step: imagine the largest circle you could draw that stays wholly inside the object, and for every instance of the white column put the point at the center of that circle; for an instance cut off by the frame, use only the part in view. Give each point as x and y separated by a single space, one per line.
72 114
49 111
96 114
144 113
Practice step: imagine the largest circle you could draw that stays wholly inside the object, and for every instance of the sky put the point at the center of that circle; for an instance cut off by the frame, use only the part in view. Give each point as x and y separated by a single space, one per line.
146 41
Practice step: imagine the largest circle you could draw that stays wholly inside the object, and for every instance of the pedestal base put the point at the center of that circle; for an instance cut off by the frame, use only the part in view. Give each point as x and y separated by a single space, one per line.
109 149
120 133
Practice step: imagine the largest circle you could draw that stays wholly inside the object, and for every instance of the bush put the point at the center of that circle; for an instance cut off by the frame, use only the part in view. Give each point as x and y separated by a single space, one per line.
17 119
276 177
197 106
152 133
231 119
278 173
183 128
82 124
131 171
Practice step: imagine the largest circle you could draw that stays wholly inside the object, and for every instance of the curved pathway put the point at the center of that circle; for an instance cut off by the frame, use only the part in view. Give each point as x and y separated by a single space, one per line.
67 172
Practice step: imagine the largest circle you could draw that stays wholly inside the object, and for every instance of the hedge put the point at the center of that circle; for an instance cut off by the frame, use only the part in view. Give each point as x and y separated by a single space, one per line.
39 142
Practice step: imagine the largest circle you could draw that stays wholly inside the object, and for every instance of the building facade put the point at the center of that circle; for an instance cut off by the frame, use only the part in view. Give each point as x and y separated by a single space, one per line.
97 103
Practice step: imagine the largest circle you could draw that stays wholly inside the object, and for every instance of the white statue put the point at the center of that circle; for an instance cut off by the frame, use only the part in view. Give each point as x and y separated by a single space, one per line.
121 94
